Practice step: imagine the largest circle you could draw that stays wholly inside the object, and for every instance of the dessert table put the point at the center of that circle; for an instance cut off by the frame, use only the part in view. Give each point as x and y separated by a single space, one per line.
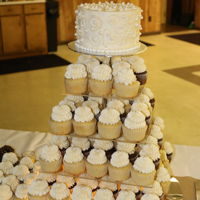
185 165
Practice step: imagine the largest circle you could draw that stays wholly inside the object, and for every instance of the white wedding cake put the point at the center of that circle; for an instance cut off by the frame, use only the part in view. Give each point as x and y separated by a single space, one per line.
108 28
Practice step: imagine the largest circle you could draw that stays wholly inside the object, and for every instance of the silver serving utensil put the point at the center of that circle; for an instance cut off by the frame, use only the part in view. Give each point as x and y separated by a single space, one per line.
175 192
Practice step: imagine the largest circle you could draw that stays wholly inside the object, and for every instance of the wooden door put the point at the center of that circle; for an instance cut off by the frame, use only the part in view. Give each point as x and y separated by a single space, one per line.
36 32
13 35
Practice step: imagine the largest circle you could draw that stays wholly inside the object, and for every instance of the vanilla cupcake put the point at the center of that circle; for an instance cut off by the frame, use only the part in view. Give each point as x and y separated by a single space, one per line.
109 124
69 103
105 145
134 127
49 177
106 183
76 79
67 180
59 191
150 197
5 192
83 58
93 105
29 178
73 161
119 166
78 100
100 83
21 171
169 150
39 190
11 157
6 167
115 59
143 98
90 64
152 151
104 194
151 140
12 181
83 144
81 192
163 177
126 84
21 192
96 164
159 122
143 171
103 59
149 93
125 195
84 122
99 100
117 66
36 167
157 133
50 158
27 161
61 120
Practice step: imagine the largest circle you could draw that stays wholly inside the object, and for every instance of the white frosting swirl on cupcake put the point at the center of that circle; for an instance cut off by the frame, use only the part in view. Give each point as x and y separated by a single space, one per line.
61 113
50 153
142 107
150 150
97 157
73 155
125 76
125 146
117 105
127 185
142 98
119 159
75 71
36 167
103 194
151 140
49 177
29 178
144 165
22 191
5 192
83 58
60 140
105 184
134 120
150 197
126 195
12 181
168 147
75 98
84 180
93 105
38 188
109 116
11 157
27 161
6 167
69 181
20 171
99 100
159 122
116 59
82 143
155 189
117 66
156 132
102 72
83 114
148 92
103 144
163 174
69 103
82 192
59 191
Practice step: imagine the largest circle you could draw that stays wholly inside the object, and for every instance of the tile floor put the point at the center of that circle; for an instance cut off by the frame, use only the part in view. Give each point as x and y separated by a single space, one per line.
26 98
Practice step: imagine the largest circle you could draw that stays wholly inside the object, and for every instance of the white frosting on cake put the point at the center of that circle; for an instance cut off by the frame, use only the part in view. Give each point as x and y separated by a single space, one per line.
119 159
116 104
83 114
102 72
144 165
163 174
168 147
5 192
38 188
12 181
50 153
82 192
159 122
27 161
103 194
103 144
117 66
125 76
156 132
6 167
75 71
61 113
109 116
93 105
150 197
82 143
148 92
22 191
84 180
12 157
97 157
20 171
69 181
59 191
73 155
125 146
150 150
126 195
142 107
105 184
155 189
60 140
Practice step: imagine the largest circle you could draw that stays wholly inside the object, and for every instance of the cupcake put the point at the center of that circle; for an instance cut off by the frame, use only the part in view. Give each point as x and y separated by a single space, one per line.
109 124
83 144
12 181
39 190
150 197
11 157
163 177
143 98
134 127
5 192
36 167
106 183
67 180
103 59
152 151
61 120
76 79
105 145
151 140
78 100
99 100
115 59
81 192
69 103
126 84
100 82
117 66
169 150
119 166
93 105
29 178
50 158
91 64
83 58
96 164
27 161
49 177
143 171
159 122
21 192
21 171
157 133
73 161
125 195
104 194
149 93
59 191
6 167
84 122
